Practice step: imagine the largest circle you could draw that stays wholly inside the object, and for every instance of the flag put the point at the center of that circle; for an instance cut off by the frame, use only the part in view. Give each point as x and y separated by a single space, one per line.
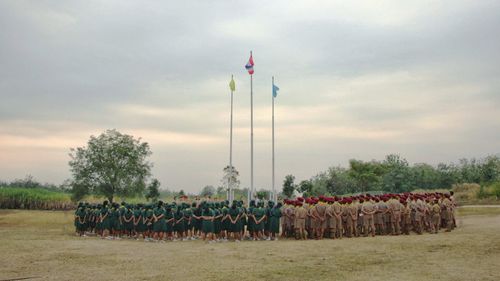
232 86
275 90
249 65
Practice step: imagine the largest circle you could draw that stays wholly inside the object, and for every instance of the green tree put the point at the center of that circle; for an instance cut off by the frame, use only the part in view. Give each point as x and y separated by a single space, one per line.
305 187
153 191
367 175
112 164
397 176
262 194
490 169
424 176
288 186
208 191
181 192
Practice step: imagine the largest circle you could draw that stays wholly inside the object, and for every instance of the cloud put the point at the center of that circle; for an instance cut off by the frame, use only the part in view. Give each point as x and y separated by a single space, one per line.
357 80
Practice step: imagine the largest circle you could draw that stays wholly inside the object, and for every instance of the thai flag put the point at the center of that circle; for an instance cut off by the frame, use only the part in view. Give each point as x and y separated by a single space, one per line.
249 65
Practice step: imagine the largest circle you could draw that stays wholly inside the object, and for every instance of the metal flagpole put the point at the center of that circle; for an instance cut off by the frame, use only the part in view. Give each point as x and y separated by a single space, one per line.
230 179
251 135
274 197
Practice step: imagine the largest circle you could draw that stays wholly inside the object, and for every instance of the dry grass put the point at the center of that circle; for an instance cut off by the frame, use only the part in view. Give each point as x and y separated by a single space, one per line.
41 244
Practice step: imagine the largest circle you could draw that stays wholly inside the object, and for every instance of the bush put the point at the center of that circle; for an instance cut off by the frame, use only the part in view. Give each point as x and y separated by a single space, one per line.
495 190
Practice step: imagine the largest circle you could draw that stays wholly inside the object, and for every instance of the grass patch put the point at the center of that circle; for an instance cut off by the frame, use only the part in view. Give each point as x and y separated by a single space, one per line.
41 243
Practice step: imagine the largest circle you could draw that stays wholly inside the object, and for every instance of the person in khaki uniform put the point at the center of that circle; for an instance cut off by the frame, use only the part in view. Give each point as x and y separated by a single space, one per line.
344 215
360 224
368 210
405 217
379 217
320 213
350 218
395 211
448 209
300 216
337 212
311 220
331 222
419 214
436 216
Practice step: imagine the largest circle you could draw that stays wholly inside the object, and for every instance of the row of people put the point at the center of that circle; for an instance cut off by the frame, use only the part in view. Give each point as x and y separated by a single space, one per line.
363 215
302 218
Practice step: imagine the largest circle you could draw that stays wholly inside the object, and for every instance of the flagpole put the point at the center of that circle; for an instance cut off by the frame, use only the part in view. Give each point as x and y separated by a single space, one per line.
230 178
251 135
274 197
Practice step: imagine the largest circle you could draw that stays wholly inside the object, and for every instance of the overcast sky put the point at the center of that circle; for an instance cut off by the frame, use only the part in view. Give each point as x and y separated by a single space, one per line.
358 80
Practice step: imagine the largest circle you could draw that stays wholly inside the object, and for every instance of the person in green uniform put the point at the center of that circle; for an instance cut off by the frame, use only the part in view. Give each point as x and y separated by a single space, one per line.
208 223
105 220
234 220
251 221
197 212
127 220
179 223
98 224
137 221
274 220
217 221
188 217
169 217
147 218
159 225
259 215
80 216
225 223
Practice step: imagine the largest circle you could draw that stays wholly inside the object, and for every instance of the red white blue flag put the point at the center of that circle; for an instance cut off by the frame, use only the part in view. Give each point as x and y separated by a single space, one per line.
249 65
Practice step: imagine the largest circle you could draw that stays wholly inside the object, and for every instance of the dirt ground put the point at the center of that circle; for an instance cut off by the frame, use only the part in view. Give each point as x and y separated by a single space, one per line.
41 245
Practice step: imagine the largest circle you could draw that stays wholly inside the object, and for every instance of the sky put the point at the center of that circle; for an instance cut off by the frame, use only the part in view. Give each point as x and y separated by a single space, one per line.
357 79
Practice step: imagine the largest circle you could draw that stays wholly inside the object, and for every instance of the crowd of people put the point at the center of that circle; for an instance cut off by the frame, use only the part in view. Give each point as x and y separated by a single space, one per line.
302 218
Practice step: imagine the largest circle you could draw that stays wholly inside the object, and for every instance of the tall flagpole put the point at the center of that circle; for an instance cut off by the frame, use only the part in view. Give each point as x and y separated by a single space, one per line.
229 180
251 135
274 197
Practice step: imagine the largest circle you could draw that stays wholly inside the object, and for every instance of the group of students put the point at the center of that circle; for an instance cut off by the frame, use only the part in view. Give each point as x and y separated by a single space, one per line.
212 221
302 218
364 215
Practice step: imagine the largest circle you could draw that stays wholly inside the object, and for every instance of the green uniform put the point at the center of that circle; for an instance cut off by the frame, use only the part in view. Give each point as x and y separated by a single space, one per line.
159 225
128 226
258 213
233 213
169 215
208 225
106 222
179 226
217 221
140 227
80 220
274 220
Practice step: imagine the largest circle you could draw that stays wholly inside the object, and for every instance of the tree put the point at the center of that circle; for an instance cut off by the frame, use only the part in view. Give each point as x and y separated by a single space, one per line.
366 174
112 164
397 177
207 191
305 187
230 177
153 191
288 186
262 194
181 192
424 176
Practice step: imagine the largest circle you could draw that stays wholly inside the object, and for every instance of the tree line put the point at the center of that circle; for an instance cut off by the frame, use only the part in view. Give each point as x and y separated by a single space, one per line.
394 174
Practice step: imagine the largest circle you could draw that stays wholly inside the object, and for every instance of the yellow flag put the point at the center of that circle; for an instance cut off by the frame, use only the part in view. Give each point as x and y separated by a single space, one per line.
232 86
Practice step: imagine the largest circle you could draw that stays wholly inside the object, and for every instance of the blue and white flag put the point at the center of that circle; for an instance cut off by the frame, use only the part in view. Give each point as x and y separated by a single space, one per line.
275 90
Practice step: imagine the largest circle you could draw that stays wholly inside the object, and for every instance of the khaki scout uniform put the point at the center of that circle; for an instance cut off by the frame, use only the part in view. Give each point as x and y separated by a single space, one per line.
368 210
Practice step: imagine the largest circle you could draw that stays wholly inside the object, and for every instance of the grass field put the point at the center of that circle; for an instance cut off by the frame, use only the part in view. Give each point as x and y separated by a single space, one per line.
41 244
